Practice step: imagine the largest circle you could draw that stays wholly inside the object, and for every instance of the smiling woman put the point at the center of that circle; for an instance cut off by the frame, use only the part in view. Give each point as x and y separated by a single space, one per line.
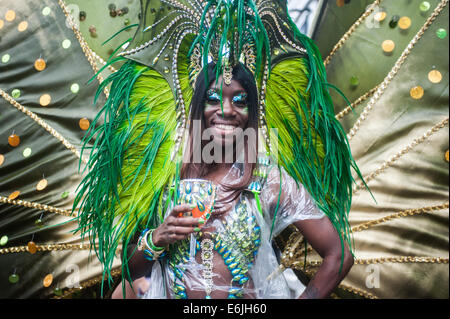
199 215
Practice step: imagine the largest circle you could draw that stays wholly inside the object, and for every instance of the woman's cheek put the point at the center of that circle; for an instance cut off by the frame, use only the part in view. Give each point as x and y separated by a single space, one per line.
208 107
245 111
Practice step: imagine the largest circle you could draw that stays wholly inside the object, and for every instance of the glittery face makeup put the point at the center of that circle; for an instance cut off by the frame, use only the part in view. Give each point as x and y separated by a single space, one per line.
239 100
226 112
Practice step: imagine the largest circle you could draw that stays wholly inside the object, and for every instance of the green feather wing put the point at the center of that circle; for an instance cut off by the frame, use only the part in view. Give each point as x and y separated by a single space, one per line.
130 164
315 152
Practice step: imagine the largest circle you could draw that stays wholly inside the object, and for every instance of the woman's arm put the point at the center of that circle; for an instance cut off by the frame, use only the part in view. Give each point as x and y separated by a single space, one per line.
324 239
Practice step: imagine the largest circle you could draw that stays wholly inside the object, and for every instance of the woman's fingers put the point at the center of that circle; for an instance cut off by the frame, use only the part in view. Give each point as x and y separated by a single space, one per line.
181 209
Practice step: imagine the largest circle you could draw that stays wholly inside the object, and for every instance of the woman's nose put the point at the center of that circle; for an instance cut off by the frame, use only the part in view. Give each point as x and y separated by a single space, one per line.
227 107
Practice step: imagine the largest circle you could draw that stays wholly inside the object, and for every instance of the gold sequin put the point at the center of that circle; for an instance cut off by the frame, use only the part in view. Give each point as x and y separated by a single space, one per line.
10 15
2 23
435 76
447 156
380 16
32 248
14 195
84 123
417 92
404 23
45 99
14 140
388 46
40 64
2 159
48 280
42 184
22 26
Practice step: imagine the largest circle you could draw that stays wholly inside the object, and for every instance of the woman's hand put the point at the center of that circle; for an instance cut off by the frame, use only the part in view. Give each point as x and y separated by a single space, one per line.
176 228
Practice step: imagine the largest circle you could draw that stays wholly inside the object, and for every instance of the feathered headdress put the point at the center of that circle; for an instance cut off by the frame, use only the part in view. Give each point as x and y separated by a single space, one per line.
134 157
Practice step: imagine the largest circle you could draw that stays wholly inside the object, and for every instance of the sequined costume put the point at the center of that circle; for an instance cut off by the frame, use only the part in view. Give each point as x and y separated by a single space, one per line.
244 261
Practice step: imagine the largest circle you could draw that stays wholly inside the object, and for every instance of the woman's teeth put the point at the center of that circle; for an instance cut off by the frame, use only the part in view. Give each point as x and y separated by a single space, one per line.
225 127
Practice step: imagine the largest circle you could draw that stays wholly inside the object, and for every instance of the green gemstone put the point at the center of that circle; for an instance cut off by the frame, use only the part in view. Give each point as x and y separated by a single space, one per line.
65 194
354 81
15 93
126 22
46 11
57 291
74 88
4 240
13 278
424 6
441 33
26 152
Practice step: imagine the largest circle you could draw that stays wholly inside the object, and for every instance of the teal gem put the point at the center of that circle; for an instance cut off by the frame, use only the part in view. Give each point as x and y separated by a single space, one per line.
226 254
14 278
230 296
238 277
3 240
208 297
210 189
441 33
233 265
201 206
39 223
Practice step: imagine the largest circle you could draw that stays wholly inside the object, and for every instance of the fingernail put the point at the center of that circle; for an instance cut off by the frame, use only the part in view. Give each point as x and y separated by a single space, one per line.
197 229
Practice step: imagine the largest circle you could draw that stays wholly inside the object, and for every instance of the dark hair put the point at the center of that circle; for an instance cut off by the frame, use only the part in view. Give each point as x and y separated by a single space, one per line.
197 170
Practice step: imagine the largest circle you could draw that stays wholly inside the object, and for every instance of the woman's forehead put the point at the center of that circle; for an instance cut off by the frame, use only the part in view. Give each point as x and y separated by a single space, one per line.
233 88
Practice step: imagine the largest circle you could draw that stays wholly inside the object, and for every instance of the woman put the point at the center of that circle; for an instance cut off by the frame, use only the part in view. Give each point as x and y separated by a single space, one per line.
239 110
221 70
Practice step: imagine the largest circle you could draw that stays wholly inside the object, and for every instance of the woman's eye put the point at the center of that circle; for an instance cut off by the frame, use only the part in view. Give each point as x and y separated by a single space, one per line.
240 99
213 97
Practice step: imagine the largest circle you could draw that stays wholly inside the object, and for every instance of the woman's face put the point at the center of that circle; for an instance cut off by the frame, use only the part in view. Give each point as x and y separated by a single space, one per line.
224 126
